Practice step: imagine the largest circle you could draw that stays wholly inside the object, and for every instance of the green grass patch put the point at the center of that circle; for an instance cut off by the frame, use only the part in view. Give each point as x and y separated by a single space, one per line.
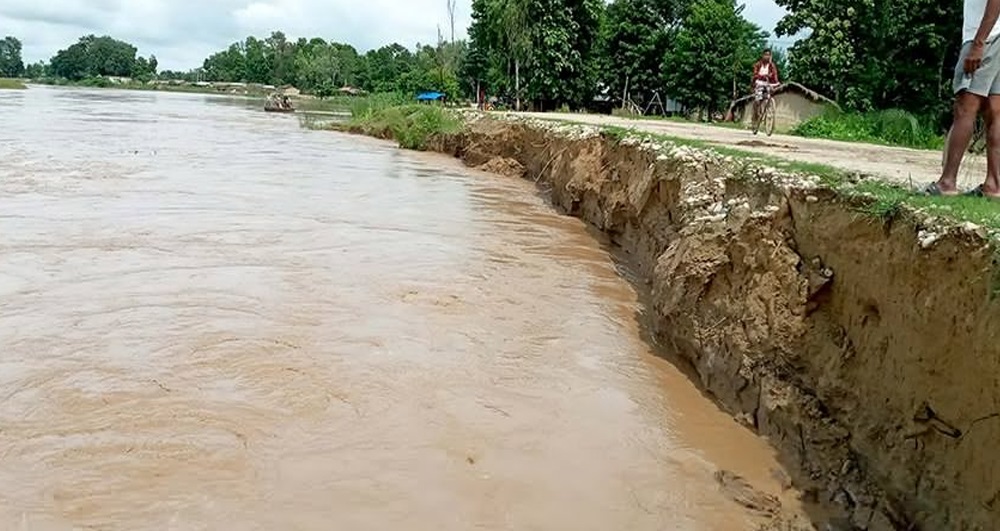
412 126
12 84
891 127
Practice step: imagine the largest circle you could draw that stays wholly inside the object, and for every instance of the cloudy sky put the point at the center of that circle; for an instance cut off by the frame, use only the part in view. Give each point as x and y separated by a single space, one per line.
181 33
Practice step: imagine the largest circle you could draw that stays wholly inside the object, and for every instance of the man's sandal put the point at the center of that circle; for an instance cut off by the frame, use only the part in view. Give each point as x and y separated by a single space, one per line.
979 191
934 189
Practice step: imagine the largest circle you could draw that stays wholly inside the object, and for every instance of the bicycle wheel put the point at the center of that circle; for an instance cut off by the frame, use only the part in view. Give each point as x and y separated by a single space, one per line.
978 144
770 117
755 118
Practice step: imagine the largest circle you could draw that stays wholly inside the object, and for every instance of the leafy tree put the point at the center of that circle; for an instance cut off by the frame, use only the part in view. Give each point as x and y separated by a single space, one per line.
11 63
228 65
875 54
542 50
711 54
385 66
280 56
485 64
145 69
37 70
94 56
635 37
258 63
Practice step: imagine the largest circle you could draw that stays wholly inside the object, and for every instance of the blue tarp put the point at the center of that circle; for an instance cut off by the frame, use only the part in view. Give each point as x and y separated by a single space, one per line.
429 96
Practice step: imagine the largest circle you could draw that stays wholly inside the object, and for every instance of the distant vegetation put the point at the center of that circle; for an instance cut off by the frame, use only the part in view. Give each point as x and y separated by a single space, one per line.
598 55
11 84
11 64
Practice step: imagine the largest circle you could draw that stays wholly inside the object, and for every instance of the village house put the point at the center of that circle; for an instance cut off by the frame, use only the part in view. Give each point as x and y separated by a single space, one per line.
794 104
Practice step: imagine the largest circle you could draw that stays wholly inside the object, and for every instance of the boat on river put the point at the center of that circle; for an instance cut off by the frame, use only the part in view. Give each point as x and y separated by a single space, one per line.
278 103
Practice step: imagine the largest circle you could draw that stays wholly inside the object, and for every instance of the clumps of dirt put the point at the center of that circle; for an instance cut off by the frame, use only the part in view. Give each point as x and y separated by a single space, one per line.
740 491
503 166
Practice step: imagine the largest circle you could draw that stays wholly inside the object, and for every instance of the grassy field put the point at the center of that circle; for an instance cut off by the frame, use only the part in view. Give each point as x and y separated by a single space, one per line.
12 84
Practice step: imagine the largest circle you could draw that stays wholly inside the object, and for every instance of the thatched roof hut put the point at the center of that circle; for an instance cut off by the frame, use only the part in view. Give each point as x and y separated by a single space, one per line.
794 104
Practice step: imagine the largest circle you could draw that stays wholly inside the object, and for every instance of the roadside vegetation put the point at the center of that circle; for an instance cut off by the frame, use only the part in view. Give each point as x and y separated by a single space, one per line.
893 127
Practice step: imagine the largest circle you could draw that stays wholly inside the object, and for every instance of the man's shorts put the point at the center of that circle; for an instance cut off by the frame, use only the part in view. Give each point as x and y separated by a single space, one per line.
984 81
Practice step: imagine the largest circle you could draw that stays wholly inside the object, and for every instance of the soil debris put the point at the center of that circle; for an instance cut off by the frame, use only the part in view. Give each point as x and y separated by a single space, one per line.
740 491
503 166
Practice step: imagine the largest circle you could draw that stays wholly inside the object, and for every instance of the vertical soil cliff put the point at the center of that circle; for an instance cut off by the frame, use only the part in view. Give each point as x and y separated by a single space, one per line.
866 349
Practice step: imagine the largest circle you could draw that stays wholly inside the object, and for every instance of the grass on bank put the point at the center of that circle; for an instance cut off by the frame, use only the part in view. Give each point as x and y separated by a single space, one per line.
393 116
12 84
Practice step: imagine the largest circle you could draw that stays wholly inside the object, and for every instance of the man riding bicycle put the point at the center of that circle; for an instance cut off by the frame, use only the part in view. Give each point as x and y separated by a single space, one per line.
765 78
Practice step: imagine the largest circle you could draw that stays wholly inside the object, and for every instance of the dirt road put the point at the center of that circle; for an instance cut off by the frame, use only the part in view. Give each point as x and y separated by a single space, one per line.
896 164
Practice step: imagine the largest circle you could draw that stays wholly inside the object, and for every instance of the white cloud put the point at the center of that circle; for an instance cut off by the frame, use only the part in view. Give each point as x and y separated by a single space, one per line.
181 33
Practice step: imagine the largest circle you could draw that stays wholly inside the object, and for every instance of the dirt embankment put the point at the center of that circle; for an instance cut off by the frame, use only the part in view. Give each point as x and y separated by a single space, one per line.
866 350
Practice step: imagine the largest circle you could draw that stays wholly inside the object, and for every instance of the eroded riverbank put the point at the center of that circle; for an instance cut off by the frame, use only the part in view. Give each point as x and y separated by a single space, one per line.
863 348
213 319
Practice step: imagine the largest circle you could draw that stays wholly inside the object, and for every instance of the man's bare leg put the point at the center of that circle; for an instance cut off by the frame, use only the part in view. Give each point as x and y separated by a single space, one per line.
991 186
967 106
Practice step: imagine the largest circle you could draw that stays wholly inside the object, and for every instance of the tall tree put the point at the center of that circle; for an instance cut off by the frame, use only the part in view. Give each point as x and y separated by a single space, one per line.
94 56
542 50
37 70
871 54
11 63
713 43
635 37
227 65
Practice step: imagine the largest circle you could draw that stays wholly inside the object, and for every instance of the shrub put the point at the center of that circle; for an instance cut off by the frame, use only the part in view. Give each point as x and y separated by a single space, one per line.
891 126
410 125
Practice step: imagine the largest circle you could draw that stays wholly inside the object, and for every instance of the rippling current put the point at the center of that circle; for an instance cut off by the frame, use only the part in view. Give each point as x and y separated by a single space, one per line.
211 318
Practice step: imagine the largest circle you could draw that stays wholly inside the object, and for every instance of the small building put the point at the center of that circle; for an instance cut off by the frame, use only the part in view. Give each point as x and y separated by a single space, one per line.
289 90
794 104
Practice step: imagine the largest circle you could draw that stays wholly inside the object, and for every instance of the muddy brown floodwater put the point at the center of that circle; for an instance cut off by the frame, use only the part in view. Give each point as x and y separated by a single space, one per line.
213 319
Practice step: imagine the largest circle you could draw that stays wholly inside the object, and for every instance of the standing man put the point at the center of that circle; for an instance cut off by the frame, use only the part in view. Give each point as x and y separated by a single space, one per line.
977 89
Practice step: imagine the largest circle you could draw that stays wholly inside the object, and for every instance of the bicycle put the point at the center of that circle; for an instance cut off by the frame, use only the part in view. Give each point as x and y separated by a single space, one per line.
765 116
978 144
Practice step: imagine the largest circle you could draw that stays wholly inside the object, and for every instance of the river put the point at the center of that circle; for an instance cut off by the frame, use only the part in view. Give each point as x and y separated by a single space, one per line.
211 318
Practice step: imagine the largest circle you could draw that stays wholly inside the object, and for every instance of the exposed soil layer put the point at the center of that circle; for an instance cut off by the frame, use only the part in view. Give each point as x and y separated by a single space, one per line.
862 348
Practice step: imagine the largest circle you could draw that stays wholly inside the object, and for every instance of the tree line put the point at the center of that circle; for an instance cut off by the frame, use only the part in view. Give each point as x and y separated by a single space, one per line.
321 67
552 53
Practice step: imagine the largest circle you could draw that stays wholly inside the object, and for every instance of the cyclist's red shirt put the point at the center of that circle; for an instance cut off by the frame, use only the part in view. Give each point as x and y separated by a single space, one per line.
766 72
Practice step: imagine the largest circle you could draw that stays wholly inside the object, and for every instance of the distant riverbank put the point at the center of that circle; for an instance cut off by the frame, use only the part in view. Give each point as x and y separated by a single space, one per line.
304 102
12 84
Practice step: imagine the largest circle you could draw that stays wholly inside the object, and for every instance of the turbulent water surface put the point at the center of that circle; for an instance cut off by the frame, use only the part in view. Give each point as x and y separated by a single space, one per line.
211 318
